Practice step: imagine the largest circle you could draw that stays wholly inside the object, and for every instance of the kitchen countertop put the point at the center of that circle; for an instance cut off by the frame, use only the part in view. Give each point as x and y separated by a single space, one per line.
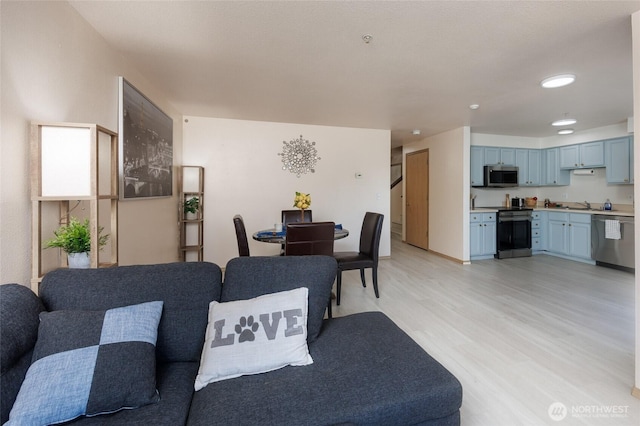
563 209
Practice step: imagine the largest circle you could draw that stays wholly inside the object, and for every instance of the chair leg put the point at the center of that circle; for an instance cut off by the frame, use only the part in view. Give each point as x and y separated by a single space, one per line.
329 314
374 273
338 286
364 284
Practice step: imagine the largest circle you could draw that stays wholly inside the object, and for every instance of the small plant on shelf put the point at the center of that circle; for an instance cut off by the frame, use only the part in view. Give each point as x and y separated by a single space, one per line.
192 205
75 237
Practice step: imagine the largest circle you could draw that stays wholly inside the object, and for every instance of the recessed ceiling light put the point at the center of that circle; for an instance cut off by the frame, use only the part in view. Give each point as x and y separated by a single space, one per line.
564 122
367 38
558 81
416 132
565 131
474 106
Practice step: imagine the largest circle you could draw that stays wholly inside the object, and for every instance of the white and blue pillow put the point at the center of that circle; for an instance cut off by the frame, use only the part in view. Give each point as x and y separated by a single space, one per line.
90 363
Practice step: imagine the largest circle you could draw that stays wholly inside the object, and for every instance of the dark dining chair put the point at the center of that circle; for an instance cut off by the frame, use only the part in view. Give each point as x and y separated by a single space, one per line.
366 257
241 236
310 238
294 216
306 238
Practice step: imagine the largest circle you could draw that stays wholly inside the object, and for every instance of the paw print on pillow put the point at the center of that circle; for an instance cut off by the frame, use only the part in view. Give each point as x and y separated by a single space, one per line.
246 329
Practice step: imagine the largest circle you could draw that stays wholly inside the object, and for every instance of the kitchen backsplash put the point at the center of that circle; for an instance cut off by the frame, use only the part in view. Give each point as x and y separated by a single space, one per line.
591 188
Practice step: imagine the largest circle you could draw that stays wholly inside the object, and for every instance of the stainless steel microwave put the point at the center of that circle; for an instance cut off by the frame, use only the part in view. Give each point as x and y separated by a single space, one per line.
498 176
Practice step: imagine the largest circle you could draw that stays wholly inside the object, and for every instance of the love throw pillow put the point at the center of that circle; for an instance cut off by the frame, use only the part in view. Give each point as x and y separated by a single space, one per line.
255 336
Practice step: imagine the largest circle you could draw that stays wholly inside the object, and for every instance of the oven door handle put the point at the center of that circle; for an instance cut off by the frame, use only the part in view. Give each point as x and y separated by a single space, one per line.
513 219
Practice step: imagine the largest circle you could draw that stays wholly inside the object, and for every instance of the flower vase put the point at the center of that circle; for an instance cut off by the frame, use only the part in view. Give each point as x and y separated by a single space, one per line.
301 215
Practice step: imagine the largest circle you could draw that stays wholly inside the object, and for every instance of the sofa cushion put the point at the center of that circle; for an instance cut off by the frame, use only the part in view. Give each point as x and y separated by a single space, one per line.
90 363
366 370
175 385
255 336
249 277
19 310
186 288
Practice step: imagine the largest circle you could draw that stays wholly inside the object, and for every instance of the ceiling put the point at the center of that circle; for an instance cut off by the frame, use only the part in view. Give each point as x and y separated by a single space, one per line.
427 61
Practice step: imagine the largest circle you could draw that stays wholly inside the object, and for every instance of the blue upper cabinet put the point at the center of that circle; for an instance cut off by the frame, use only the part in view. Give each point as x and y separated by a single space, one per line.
477 166
582 155
529 167
552 175
496 155
619 160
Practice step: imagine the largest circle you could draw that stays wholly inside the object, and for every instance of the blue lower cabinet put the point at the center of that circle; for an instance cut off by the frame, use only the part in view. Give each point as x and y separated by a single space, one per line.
482 235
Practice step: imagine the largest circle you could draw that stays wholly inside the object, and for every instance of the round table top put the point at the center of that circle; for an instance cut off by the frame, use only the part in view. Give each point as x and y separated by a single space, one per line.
271 236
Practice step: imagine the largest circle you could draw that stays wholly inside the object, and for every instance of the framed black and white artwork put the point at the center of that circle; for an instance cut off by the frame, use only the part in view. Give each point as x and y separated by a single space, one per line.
146 146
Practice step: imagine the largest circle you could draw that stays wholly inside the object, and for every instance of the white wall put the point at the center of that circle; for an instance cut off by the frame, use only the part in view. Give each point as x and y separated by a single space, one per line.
243 175
55 67
448 191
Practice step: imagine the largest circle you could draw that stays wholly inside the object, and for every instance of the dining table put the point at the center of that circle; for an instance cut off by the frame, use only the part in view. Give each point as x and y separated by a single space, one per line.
279 237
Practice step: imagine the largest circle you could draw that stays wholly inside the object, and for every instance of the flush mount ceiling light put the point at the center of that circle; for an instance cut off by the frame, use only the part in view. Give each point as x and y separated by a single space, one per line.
416 132
565 131
558 81
474 106
564 122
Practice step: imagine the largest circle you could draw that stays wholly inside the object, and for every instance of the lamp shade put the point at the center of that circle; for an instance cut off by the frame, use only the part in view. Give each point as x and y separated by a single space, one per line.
65 161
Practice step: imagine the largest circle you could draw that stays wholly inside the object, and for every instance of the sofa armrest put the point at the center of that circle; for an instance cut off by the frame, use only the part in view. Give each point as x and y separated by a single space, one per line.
19 319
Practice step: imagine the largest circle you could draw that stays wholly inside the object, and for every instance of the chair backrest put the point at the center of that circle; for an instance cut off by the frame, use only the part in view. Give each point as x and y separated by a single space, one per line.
370 235
309 238
294 216
241 236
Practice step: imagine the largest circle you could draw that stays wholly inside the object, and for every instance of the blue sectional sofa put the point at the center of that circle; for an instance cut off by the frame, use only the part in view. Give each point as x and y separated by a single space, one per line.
365 369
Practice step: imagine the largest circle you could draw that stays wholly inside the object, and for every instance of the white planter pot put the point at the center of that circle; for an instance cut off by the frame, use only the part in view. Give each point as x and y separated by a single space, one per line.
79 260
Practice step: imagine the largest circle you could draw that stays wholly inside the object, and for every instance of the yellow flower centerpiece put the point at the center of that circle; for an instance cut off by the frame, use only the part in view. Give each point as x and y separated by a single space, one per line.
303 202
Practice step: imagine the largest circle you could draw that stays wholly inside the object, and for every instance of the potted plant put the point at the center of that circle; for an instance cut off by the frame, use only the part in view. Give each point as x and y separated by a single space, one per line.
192 205
74 239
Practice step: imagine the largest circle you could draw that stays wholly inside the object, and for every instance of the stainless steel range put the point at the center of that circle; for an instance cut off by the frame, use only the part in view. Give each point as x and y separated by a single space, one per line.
513 234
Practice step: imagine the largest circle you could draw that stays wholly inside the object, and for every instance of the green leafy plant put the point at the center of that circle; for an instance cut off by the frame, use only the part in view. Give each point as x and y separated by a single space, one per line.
75 237
192 205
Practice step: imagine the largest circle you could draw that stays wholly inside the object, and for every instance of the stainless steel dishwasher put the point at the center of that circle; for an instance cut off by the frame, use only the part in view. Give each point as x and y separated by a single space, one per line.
615 253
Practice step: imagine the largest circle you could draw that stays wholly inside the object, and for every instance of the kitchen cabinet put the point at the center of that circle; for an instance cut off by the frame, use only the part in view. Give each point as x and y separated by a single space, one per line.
528 162
582 155
619 160
570 235
482 235
497 155
477 166
552 175
538 228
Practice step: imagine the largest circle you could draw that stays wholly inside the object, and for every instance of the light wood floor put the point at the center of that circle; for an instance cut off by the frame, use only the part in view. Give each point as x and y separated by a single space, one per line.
519 334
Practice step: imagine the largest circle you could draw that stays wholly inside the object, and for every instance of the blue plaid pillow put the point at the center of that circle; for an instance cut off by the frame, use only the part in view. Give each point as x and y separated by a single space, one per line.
90 363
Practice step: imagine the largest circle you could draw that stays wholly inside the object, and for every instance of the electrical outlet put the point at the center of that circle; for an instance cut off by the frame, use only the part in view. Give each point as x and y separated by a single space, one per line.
565 196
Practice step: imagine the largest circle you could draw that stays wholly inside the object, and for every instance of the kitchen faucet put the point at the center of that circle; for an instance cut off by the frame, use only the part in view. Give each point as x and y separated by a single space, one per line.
586 204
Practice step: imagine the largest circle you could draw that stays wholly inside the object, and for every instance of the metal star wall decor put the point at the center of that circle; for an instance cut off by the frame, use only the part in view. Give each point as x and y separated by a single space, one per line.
299 156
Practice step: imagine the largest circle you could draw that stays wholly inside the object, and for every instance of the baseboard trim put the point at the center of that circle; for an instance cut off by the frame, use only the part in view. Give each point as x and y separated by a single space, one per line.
635 392
453 259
